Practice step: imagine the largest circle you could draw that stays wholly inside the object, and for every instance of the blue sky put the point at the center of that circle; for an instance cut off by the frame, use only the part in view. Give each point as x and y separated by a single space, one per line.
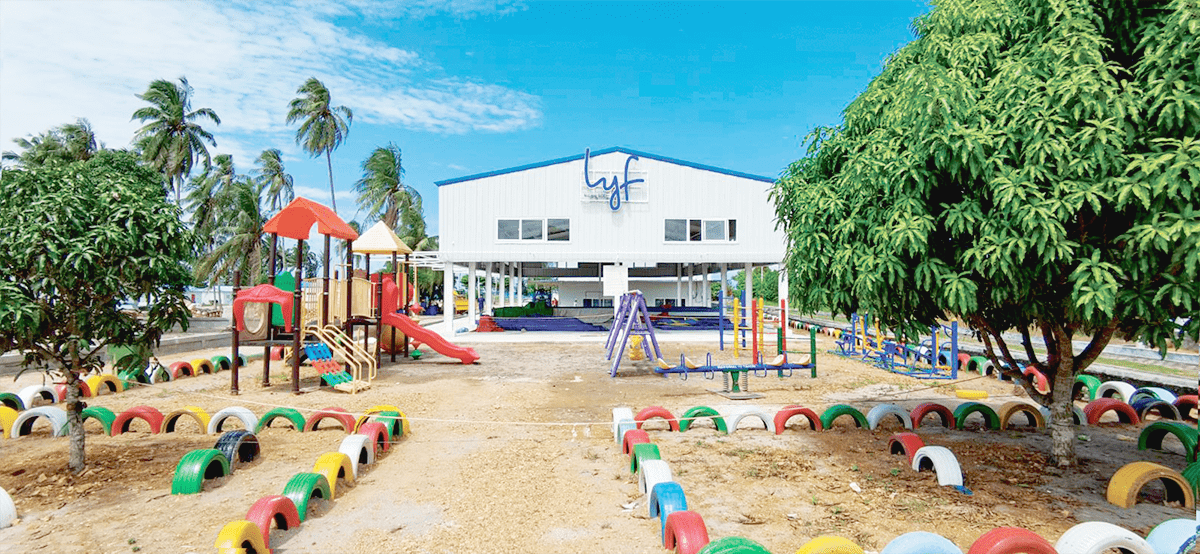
461 86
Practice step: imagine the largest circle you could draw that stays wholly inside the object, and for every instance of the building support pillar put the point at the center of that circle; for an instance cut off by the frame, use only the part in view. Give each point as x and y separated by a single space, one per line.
678 284
472 294
448 297
487 295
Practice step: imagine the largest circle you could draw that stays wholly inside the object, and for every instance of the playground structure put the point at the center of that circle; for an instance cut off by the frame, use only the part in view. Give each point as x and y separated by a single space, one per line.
632 319
936 357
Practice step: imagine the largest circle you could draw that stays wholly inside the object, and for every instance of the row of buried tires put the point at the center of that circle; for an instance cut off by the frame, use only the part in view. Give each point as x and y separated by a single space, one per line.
18 424
685 532
291 508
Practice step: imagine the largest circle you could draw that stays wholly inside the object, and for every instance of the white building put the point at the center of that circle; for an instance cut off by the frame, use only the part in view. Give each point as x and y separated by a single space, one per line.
633 219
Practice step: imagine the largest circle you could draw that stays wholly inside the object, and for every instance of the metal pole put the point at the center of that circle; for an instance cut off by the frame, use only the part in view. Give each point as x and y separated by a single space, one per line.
297 331
233 375
325 285
403 298
349 287
266 380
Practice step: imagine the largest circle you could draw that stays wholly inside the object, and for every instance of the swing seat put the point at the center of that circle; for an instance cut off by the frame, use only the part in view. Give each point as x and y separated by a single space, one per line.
778 361
689 364
663 365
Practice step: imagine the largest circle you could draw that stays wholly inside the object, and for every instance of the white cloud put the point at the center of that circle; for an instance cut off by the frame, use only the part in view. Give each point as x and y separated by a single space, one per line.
245 60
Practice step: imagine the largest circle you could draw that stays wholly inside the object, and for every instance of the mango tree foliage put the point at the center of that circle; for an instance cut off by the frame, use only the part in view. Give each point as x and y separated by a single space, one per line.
1029 166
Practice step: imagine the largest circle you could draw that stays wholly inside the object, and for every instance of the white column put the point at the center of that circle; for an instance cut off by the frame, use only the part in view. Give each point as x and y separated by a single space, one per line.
512 285
749 272
678 283
691 297
724 280
520 285
487 302
707 288
448 297
472 295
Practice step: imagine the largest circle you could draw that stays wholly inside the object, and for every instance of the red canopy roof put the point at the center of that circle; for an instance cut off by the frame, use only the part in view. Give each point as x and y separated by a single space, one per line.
296 219
266 294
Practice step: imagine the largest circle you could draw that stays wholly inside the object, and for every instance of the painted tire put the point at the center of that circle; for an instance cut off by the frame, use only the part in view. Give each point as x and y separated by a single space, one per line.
394 421
875 415
181 369
1152 437
104 415
641 453
105 383
196 413
8 510
921 542
1156 392
620 414
1085 381
632 437
196 467
1100 406
830 544
1163 409
388 409
1011 540
666 497
11 401
334 466
290 414
653 472
304 486
339 415
905 444
1173 536
1096 537
244 415
1191 473
964 410
158 374
378 433
1037 379
1128 481
975 364
942 461
736 415
1116 389
149 414
788 412
7 417
1185 404
702 412
275 508
239 447
733 545
969 394
832 413
202 365
359 449
84 390
33 392
685 532
1078 417
1033 416
221 363
622 428
241 360
653 412
945 414
241 536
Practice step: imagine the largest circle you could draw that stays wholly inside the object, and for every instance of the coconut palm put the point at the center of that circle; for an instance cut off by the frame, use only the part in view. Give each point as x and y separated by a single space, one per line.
239 204
277 181
322 127
71 142
172 139
382 192
204 198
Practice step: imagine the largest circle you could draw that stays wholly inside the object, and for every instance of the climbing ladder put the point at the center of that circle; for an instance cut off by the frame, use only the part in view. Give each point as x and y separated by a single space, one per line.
632 319
341 349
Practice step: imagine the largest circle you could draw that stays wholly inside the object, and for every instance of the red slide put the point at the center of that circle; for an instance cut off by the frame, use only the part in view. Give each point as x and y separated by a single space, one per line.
410 327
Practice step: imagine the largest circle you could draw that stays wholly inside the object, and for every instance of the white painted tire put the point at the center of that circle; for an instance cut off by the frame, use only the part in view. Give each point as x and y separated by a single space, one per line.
1116 389
248 419
1079 415
1173 536
1159 393
876 415
987 367
942 461
622 428
158 374
620 415
354 446
56 416
8 510
653 472
733 416
28 394
1095 537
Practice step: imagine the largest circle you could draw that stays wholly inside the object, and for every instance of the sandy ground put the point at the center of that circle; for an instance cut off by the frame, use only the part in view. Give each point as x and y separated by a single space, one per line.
515 454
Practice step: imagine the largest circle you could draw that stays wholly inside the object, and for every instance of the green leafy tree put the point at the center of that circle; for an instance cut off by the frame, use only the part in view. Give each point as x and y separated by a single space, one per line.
381 190
203 200
322 127
239 209
277 181
1025 165
75 240
172 139
72 142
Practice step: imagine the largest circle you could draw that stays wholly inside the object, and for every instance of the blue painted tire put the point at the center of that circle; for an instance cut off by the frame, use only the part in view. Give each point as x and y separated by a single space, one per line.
921 542
1174 536
666 498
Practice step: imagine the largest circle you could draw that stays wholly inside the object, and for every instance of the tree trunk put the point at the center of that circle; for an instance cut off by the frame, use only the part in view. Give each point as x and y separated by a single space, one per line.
332 196
76 462
1062 425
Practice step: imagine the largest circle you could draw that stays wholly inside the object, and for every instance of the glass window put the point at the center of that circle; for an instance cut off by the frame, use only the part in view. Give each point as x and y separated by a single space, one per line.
733 229
676 230
531 229
694 230
558 229
508 229
714 230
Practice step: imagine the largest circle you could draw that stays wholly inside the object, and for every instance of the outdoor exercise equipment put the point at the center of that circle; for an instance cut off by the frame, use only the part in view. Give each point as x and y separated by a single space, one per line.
936 357
631 318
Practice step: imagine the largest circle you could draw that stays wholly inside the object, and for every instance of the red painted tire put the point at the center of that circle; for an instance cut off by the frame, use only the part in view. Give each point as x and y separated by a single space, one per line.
1011 540
1037 378
277 353
1185 404
277 508
378 433
656 411
339 414
906 444
788 412
1100 406
84 390
150 415
685 532
635 436
944 413
963 360
181 369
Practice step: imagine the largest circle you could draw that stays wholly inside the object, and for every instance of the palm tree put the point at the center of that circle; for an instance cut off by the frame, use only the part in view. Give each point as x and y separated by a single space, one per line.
382 192
204 198
71 142
239 204
322 127
277 181
172 139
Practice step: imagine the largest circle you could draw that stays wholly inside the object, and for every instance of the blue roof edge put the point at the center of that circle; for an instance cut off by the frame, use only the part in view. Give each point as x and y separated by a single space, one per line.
601 152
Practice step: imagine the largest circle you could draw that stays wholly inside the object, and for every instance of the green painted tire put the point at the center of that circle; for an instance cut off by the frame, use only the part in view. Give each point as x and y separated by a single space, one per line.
221 363
104 415
1192 474
702 411
302 487
12 401
291 414
641 452
838 410
391 420
196 467
733 545
964 410
975 364
1152 437
1088 381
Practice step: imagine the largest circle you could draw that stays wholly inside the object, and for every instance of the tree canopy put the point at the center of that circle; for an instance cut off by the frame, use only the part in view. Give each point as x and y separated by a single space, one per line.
172 139
322 127
1023 164
67 143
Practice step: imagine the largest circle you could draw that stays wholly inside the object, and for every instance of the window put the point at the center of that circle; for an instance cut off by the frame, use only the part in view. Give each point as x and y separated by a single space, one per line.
700 230
558 229
694 230
676 230
508 229
714 230
732 230
531 229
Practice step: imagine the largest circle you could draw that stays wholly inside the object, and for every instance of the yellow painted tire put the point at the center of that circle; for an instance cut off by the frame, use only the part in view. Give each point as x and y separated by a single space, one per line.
1128 481
107 383
386 408
203 365
830 544
240 536
968 394
195 412
7 417
333 465
1011 409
